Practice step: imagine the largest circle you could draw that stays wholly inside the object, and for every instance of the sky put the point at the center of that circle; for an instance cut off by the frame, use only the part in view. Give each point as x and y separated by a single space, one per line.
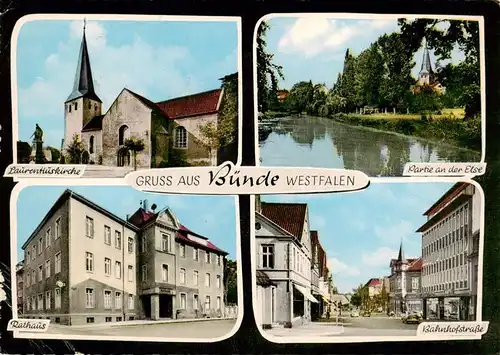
157 59
211 216
362 231
314 48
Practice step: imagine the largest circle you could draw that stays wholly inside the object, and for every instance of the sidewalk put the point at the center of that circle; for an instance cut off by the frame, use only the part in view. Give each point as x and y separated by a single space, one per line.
133 323
308 330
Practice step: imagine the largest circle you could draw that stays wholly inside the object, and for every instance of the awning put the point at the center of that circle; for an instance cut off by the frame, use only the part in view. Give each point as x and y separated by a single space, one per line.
306 293
325 299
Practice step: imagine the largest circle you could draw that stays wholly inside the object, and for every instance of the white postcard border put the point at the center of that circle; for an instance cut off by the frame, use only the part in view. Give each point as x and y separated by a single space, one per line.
103 17
108 182
354 16
368 339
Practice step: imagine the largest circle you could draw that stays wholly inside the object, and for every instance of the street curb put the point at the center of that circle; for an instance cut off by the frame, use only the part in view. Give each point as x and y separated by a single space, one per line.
174 321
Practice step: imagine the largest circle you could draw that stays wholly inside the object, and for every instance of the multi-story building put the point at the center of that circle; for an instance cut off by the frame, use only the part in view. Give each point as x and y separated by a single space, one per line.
82 265
405 284
283 247
450 249
20 285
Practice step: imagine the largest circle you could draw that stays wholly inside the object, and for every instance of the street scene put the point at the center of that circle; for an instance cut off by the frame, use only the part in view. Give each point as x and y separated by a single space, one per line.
162 270
368 94
76 107
372 263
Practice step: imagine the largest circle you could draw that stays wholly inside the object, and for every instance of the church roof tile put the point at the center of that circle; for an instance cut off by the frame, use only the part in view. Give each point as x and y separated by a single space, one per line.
203 103
95 124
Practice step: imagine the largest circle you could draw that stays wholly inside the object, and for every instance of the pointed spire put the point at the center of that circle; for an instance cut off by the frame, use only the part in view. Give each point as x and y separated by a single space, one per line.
426 61
401 254
84 84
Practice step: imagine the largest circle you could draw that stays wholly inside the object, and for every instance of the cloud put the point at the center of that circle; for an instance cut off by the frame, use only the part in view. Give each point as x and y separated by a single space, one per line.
312 35
395 231
379 257
341 269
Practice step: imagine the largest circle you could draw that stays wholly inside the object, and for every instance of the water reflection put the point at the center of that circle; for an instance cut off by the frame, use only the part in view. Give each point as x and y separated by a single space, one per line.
320 142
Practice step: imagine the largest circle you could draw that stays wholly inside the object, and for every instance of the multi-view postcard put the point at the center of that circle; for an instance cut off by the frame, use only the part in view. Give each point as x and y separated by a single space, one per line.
370 93
368 266
117 94
143 267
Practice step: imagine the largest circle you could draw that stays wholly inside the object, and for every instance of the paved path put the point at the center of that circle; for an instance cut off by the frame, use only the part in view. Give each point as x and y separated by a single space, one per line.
198 329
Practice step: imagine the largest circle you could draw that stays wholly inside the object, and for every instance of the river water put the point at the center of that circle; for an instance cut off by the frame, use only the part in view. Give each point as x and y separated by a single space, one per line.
323 143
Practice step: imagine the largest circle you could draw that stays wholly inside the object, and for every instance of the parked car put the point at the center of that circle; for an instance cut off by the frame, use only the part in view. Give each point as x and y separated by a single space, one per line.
414 318
354 313
366 313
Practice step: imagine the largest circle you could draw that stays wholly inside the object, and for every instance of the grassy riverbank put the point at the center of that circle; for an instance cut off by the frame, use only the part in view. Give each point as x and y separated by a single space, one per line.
445 127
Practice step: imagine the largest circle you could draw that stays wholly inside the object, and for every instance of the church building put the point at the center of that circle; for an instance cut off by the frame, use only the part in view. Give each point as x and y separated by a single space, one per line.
169 130
427 76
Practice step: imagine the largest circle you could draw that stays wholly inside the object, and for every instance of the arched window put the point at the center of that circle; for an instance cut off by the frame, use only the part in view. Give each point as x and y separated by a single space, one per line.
123 134
69 108
90 105
180 140
95 107
76 106
91 145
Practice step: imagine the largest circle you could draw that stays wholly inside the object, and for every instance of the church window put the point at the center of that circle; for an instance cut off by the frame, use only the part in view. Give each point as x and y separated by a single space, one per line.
76 106
180 137
95 107
123 134
91 145
90 105
69 108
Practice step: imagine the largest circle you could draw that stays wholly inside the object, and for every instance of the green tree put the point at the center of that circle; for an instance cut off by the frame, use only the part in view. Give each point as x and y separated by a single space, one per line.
346 83
369 76
300 97
230 282
134 145
74 150
267 71
427 100
23 152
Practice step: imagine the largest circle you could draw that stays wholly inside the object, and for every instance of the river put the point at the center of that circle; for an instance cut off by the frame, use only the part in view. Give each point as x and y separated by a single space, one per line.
323 143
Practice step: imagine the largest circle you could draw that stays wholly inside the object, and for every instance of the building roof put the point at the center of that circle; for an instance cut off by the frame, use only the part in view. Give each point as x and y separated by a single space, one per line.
415 265
84 83
289 216
446 198
141 217
65 196
203 103
373 282
263 279
95 124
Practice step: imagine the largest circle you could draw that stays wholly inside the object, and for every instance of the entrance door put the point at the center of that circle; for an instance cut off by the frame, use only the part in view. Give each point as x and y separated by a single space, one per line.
146 305
166 306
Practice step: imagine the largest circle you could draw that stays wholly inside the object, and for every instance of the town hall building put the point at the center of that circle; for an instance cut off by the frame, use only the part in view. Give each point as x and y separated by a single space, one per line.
169 130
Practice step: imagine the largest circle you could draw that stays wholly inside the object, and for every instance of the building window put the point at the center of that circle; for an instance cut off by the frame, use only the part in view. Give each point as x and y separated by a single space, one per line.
118 300
144 244
89 262
414 283
196 302
118 269
219 258
57 266
207 257
130 245
268 256
28 279
47 268
90 320
183 301
118 319
40 246
33 256
28 256
207 280
195 278
48 236
69 108
207 303
218 303
48 300
89 298
130 273
130 301
40 273
196 254
91 142
40 302
76 108
218 281
182 250
118 240
144 273
108 319
89 227
107 235
107 266
164 273
182 276
180 138
33 277
58 228
107 299
165 242
123 134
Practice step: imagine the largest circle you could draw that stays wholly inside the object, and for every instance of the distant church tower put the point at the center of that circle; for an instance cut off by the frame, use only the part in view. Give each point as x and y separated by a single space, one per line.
83 103
401 268
426 75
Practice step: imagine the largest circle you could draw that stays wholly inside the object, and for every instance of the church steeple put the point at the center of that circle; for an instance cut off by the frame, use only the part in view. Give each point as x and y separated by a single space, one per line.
426 67
401 254
83 85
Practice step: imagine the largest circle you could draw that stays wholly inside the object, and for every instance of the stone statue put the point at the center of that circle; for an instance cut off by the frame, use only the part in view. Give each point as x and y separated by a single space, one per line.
37 155
38 134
